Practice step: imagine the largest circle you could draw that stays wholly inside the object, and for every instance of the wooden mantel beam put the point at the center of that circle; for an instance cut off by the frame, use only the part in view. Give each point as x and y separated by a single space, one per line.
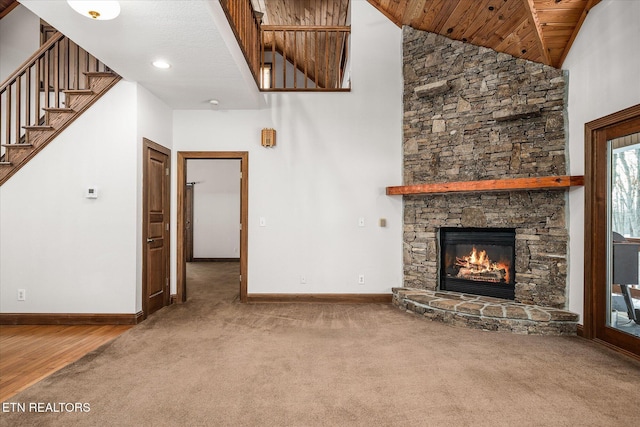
509 184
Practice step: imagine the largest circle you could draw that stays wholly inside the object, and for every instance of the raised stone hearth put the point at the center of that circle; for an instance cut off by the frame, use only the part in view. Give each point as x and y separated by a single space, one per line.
486 313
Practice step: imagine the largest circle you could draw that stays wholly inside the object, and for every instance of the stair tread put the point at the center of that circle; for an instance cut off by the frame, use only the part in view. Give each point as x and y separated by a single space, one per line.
5 163
79 91
39 127
18 145
99 73
59 110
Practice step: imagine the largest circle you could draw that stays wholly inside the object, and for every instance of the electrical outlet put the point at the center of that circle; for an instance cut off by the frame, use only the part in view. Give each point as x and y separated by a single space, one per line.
361 221
303 280
22 295
361 279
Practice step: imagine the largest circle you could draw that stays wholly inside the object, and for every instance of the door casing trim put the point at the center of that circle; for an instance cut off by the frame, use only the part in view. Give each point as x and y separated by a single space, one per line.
181 270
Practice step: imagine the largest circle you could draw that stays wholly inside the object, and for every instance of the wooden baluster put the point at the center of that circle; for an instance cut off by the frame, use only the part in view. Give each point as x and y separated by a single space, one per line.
306 60
27 98
326 59
284 59
273 59
56 73
37 94
76 77
65 77
316 56
337 83
295 60
46 81
8 116
262 60
18 121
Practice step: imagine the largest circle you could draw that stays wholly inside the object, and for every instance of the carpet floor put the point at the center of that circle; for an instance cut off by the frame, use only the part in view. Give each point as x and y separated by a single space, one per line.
215 362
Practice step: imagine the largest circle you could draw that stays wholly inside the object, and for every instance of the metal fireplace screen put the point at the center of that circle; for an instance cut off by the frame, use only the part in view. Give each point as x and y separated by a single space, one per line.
478 261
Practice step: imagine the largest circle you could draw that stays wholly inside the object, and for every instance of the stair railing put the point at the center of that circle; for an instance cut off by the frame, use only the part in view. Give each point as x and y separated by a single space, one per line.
290 58
39 84
246 27
308 58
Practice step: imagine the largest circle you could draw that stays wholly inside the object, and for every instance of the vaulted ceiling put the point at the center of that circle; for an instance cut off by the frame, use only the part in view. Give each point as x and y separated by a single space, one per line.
538 30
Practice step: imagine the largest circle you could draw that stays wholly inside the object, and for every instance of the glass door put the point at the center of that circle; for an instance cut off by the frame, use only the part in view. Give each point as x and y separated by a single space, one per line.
612 231
623 219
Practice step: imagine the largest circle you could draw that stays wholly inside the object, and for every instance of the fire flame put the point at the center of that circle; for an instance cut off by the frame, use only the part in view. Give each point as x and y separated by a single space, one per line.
478 262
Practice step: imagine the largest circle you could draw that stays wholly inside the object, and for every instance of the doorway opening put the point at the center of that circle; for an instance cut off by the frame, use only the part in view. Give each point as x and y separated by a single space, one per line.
212 217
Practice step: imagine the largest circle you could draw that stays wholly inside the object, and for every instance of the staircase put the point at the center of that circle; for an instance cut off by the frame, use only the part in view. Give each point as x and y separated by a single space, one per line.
44 96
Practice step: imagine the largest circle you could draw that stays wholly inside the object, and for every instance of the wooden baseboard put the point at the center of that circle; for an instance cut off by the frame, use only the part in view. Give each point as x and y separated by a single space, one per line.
70 319
321 298
580 331
617 349
215 260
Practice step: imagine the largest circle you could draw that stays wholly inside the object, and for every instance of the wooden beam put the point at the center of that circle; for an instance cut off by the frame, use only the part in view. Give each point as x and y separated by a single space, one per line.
491 185
540 41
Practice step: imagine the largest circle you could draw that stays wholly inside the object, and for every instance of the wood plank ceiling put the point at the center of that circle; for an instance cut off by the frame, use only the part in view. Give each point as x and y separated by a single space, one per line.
537 30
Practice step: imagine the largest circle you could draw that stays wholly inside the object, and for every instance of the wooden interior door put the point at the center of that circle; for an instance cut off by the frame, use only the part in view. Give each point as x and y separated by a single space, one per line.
188 223
156 211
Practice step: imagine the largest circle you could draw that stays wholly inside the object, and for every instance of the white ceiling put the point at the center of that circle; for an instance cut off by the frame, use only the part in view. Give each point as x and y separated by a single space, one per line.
192 35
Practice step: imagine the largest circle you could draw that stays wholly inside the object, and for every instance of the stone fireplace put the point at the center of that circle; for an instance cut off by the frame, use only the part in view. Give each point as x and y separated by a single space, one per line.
473 114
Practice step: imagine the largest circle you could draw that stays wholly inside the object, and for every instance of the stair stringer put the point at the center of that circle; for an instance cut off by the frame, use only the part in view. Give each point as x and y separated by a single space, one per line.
56 120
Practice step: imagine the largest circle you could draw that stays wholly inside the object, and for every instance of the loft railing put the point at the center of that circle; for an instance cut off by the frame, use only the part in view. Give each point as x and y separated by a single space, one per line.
246 27
40 83
290 58
310 58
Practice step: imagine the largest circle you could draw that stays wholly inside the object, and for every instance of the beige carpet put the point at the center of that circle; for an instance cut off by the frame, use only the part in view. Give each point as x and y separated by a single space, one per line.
215 362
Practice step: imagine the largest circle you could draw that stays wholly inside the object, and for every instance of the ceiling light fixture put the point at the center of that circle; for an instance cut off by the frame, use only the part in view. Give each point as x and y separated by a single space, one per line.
161 64
99 10
214 102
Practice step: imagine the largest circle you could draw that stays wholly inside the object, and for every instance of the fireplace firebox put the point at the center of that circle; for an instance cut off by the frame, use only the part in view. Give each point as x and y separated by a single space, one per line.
478 261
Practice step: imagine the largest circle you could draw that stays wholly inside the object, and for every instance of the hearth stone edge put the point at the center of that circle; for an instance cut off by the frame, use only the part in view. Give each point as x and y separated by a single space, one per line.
487 313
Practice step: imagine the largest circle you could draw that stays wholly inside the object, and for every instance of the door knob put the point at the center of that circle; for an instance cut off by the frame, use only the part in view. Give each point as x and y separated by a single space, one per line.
150 240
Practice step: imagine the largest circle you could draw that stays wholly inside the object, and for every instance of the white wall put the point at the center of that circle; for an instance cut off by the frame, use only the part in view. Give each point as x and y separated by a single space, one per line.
604 77
19 39
335 154
216 211
72 254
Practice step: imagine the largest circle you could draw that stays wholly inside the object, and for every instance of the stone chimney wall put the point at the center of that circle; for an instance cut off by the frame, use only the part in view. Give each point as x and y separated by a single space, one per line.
471 113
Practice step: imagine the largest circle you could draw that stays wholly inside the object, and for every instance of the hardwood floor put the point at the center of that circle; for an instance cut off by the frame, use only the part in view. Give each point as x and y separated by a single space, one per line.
31 353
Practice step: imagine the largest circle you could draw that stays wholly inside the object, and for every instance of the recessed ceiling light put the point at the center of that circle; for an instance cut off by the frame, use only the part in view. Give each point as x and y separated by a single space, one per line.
214 102
161 64
99 10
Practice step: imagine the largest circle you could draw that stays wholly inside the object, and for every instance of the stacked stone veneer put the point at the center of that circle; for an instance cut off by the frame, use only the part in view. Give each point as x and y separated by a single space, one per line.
495 117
